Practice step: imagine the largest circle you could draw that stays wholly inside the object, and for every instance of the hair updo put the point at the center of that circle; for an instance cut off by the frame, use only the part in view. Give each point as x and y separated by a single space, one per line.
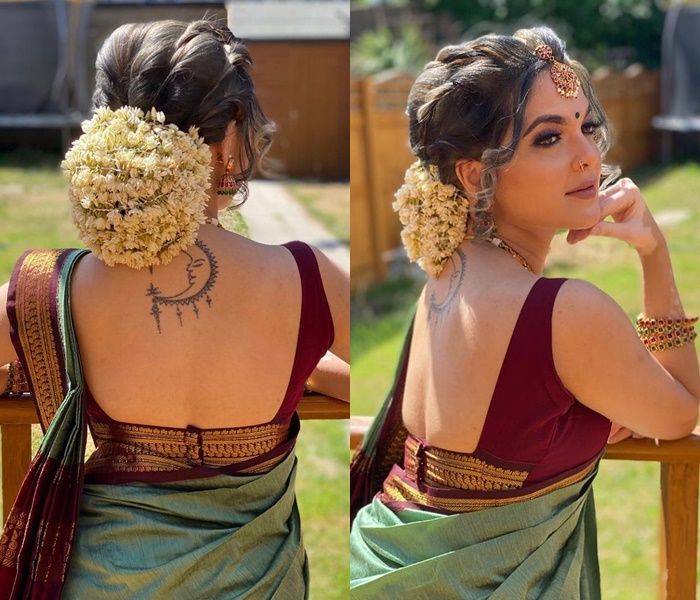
463 103
195 73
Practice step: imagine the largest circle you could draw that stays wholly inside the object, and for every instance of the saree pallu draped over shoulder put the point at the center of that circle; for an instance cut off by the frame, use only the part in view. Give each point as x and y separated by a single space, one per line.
36 543
214 534
412 540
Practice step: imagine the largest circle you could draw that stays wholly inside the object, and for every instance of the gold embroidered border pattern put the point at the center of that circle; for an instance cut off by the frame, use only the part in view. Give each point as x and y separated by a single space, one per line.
395 489
33 302
9 541
141 448
438 467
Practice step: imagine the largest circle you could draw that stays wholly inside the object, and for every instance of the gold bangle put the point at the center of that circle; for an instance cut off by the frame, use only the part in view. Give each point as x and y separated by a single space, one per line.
651 324
665 333
654 344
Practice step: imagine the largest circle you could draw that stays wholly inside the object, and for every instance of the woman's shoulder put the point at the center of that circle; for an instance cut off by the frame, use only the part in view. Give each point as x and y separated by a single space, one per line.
577 299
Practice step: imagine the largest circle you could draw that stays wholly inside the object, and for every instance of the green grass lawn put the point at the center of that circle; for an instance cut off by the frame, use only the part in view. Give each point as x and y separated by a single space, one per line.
34 212
328 203
627 493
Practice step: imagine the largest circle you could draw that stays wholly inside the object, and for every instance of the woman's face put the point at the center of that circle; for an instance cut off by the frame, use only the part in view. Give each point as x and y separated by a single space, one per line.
556 155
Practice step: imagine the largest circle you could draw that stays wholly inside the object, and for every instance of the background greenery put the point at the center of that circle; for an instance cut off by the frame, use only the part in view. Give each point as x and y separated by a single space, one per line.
598 32
627 493
35 213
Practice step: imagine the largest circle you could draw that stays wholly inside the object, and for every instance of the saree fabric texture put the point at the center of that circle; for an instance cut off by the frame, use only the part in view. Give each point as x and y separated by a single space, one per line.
513 519
156 511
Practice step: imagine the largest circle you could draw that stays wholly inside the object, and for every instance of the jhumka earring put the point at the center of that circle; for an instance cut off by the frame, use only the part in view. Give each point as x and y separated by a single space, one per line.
228 184
563 76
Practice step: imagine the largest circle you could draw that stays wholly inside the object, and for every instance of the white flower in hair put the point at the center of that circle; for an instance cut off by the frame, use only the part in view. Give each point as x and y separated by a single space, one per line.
433 215
138 186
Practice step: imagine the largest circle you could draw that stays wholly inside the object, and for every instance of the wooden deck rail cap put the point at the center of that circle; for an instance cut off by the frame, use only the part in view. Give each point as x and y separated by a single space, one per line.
686 450
20 411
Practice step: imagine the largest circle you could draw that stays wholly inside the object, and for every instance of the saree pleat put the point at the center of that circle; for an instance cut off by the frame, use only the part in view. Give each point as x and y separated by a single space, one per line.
543 548
217 537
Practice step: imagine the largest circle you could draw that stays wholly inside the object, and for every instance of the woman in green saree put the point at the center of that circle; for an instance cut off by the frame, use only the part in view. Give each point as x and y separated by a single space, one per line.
475 479
183 347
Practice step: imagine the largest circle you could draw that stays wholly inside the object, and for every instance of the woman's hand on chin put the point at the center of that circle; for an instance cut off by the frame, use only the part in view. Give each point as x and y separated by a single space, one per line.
632 221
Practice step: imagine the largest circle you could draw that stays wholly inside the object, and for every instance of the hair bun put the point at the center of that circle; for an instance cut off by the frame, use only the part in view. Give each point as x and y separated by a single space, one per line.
138 186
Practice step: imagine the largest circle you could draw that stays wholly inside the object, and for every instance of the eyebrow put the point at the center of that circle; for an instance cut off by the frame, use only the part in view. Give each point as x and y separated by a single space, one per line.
558 119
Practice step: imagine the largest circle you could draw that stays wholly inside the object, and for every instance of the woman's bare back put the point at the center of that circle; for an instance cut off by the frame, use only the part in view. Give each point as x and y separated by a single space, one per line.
217 352
464 323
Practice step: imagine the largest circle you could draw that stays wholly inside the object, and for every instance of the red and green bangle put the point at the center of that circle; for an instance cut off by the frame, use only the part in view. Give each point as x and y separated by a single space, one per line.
665 333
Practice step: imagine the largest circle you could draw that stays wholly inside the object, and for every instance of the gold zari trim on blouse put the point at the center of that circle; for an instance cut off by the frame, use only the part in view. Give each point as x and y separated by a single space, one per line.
443 468
141 448
33 305
395 489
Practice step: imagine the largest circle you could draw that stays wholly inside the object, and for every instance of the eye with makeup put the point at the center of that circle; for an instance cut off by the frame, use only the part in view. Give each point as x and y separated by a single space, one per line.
589 128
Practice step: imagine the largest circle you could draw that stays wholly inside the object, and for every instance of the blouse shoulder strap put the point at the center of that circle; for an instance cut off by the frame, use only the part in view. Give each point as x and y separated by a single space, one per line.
530 349
315 327
314 301
35 295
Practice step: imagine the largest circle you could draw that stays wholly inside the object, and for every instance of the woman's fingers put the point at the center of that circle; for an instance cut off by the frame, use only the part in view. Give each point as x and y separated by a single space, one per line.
576 235
622 434
615 204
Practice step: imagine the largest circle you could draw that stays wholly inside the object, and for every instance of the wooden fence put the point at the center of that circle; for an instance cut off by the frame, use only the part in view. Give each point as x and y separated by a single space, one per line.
678 552
379 151
18 415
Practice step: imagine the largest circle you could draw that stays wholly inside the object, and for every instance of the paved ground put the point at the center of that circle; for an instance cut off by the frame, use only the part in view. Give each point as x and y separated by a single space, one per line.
274 217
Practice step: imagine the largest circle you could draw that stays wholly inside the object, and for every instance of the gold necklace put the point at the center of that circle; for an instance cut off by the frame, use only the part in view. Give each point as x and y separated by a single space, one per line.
213 221
496 241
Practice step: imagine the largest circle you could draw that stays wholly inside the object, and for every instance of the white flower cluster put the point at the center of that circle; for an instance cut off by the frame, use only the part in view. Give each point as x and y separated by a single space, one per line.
433 215
138 186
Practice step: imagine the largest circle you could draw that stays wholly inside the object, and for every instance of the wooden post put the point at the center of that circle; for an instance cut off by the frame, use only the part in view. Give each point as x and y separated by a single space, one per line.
679 531
368 108
16 456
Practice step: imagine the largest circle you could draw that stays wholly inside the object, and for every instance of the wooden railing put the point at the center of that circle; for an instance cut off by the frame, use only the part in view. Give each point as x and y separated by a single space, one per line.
18 415
678 537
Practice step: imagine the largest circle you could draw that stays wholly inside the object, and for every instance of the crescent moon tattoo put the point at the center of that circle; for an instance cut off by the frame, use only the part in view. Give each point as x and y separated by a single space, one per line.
200 276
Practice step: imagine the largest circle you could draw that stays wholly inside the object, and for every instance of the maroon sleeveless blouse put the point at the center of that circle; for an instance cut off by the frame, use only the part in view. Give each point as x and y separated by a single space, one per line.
127 452
536 435
533 418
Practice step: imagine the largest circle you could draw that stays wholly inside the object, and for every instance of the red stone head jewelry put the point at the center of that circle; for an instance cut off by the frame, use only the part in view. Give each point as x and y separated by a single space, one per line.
563 76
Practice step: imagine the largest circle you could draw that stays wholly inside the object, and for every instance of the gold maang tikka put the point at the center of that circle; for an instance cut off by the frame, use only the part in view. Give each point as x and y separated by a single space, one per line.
563 76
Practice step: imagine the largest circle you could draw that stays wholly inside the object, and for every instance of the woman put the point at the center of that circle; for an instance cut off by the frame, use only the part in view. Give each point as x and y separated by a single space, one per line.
478 469
185 347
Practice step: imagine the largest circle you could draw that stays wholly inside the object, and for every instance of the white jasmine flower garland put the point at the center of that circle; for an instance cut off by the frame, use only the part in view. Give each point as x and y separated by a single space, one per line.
138 186
433 215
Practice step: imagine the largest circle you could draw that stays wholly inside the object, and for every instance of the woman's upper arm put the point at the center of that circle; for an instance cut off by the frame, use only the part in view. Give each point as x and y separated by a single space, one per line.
337 286
601 360
7 351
